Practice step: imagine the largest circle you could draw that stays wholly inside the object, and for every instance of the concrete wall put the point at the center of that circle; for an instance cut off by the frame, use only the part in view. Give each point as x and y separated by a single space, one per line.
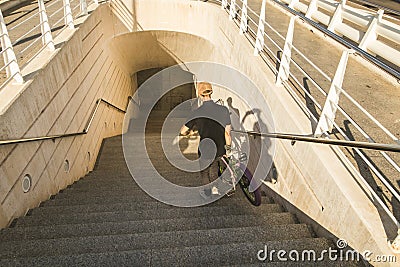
316 179
59 99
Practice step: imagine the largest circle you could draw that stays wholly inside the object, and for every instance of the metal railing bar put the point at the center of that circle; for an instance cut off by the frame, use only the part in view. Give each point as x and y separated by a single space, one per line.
8 80
24 35
52 3
315 102
270 38
309 78
396 12
392 136
362 155
252 11
22 22
344 143
77 6
3 51
347 116
275 31
312 64
42 138
268 61
370 165
52 137
8 64
339 39
58 21
29 46
312 80
56 12
271 53
252 21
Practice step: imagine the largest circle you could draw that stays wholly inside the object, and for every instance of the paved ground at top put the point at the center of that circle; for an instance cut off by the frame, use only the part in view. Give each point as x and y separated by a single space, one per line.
374 91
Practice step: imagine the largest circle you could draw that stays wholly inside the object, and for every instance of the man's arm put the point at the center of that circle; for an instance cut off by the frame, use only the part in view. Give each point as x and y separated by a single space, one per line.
228 139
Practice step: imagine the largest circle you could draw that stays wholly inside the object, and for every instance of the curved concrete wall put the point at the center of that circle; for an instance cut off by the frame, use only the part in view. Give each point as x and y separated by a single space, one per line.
316 179
143 50
60 98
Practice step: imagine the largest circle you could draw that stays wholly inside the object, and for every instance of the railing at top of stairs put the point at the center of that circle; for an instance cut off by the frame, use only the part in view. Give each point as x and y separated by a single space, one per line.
56 136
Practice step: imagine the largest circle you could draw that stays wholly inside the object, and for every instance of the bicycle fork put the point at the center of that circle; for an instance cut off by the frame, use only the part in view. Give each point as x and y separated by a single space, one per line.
232 176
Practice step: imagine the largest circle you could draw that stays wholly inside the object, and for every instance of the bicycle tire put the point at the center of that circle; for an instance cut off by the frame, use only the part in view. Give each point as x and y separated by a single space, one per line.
255 196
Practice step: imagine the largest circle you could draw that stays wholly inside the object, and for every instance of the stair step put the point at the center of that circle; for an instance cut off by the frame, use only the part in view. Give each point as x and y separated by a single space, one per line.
117 185
132 206
157 240
107 219
135 196
212 254
128 190
168 213
122 181
275 231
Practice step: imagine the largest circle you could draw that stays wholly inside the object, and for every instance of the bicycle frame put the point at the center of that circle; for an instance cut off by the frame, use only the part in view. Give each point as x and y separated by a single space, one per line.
239 165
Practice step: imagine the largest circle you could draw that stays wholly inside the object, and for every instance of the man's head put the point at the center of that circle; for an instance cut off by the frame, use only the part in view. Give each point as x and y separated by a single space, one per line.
204 90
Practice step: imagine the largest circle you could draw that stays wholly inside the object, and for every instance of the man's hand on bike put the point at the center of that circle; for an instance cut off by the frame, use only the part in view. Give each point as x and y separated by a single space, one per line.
228 150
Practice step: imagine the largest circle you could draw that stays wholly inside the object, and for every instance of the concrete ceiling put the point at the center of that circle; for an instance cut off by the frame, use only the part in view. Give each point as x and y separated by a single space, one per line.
137 51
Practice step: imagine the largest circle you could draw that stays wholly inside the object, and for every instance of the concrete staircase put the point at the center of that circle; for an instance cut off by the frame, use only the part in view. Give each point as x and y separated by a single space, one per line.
106 219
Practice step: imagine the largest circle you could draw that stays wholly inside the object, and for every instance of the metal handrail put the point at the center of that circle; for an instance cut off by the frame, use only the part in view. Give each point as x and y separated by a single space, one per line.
56 136
339 39
344 143
390 10
325 94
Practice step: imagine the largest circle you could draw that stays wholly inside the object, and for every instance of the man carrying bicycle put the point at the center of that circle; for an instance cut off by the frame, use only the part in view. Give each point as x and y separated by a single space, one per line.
213 123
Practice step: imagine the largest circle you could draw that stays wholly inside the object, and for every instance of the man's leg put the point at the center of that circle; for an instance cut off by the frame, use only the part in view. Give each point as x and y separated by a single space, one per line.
208 175
205 177
213 175
204 173
213 170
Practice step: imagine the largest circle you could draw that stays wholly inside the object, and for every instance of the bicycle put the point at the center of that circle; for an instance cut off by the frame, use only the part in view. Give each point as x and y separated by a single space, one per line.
239 173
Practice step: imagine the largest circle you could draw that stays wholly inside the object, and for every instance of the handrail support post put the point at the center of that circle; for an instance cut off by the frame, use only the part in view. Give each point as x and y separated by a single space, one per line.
337 16
260 30
243 19
9 57
68 19
371 35
325 123
84 8
232 10
284 66
47 38
224 4
312 8
293 3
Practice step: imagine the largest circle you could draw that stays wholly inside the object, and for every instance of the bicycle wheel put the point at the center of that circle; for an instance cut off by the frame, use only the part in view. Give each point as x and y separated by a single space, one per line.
255 196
